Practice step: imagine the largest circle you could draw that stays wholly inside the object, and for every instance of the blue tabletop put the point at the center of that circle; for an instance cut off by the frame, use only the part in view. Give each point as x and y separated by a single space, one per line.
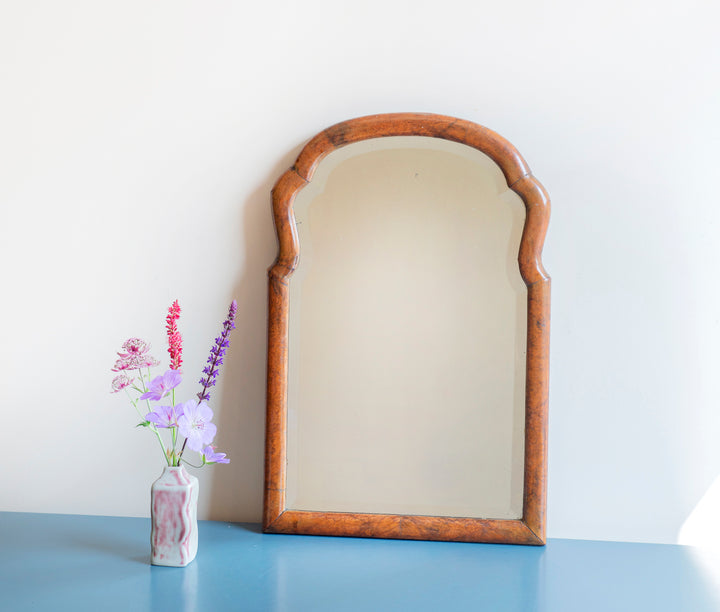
62 562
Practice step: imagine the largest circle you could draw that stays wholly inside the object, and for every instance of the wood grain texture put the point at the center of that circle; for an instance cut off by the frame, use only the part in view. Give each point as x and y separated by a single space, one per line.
531 528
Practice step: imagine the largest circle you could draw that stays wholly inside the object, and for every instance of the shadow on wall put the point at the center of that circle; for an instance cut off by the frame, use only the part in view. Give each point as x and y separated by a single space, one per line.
236 490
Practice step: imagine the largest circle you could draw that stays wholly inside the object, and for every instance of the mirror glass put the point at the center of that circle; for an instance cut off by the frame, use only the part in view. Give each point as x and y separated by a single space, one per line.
407 334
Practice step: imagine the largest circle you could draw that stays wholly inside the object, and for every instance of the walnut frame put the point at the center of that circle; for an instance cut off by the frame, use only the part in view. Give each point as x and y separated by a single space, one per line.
530 529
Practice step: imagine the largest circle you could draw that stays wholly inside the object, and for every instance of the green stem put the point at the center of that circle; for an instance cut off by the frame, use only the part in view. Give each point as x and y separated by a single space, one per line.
174 441
152 425
157 433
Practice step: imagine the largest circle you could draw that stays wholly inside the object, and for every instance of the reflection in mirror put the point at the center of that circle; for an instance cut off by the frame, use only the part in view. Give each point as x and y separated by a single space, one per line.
407 335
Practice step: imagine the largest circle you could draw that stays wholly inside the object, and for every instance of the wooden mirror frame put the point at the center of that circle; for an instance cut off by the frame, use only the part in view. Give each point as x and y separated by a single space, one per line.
530 529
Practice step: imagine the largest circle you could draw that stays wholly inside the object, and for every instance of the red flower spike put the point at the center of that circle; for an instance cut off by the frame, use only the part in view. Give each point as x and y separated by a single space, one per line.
174 337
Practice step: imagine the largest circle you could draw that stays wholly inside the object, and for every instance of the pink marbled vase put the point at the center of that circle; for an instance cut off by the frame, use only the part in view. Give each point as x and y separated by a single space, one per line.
174 537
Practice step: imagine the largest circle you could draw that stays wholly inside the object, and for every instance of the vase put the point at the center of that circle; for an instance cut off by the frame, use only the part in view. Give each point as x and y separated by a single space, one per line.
174 536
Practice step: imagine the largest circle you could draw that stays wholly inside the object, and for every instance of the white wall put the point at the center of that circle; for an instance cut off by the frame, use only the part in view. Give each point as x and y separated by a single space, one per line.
139 144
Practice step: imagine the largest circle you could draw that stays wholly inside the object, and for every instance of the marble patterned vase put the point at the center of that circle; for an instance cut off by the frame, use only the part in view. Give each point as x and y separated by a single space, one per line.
174 536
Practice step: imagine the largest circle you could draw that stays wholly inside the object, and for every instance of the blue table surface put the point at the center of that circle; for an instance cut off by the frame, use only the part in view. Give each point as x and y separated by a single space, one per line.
63 562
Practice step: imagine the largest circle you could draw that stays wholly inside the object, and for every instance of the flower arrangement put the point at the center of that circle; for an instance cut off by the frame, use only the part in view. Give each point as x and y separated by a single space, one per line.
191 420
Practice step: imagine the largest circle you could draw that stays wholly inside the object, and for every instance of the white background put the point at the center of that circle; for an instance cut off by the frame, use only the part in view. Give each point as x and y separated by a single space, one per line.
139 141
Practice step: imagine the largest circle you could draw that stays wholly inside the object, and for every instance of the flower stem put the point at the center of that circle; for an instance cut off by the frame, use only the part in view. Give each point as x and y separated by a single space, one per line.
157 433
182 450
151 426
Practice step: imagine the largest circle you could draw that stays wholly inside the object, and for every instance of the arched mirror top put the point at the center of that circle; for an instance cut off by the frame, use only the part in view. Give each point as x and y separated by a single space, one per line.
514 168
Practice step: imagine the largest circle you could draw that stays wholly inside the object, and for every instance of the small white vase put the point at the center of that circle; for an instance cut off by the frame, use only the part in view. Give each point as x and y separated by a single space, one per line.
174 536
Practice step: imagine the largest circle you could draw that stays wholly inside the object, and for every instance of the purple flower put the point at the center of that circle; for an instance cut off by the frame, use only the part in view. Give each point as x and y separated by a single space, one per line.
162 385
211 456
165 416
120 382
195 424
217 352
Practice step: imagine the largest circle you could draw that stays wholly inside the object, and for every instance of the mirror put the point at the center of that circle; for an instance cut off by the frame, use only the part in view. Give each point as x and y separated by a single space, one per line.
401 305
406 397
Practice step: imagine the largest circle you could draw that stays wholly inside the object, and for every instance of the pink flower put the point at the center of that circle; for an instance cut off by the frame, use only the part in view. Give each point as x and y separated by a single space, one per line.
162 385
136 357
135 346
195 425
135 362
120 382
174 337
